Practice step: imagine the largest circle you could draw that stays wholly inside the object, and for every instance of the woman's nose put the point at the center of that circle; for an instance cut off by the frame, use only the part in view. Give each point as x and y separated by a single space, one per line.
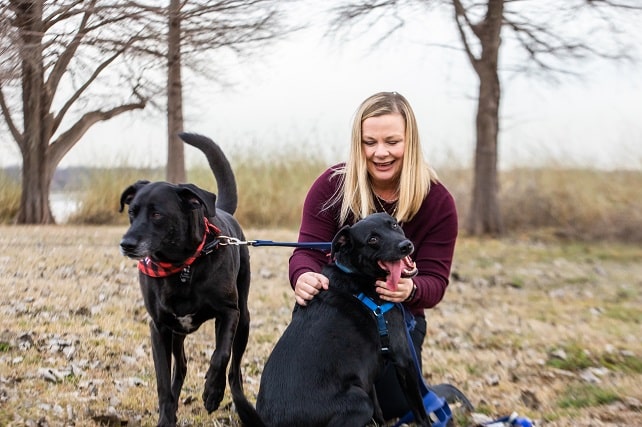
381 150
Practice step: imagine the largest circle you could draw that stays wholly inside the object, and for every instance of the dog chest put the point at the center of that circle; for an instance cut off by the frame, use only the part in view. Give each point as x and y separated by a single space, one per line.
187 322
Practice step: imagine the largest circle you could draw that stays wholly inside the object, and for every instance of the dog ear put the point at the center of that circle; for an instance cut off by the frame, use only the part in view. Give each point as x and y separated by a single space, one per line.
340 240
196 200
198 197
129 193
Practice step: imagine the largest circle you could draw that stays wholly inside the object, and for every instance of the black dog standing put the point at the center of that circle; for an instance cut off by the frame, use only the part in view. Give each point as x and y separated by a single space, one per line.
188 276
323 368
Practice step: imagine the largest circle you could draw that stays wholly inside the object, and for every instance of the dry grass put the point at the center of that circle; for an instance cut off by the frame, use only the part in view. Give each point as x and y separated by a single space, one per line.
548 329
9 198
573 204
587 205
100 200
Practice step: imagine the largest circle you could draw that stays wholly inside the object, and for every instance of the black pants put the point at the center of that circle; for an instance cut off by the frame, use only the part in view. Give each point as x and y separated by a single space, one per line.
389 394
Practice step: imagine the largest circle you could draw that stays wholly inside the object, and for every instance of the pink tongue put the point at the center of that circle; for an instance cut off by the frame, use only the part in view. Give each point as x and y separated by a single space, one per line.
394 273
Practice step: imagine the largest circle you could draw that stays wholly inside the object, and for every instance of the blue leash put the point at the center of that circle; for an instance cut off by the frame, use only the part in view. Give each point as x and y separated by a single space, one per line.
434 404
322 246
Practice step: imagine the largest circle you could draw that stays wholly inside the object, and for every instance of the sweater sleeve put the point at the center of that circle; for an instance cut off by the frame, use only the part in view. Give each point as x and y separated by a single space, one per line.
318 224
433 231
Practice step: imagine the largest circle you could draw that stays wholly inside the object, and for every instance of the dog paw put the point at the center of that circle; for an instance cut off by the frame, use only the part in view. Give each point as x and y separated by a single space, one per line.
212 399
167 422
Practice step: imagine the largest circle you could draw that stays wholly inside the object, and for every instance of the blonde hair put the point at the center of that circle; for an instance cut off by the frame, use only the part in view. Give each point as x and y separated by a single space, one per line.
355 192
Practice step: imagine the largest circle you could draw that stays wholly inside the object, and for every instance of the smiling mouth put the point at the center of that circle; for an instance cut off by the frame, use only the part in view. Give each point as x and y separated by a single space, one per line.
383 164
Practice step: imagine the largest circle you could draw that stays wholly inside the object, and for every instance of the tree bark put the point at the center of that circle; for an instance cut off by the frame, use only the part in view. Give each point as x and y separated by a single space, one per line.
175 148
485 215
34 201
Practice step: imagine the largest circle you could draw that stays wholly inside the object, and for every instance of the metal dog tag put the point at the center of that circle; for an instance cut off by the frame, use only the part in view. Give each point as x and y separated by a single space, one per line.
186 273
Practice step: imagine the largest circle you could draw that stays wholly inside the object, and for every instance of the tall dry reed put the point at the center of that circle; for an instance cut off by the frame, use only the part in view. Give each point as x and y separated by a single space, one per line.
9 198
584 204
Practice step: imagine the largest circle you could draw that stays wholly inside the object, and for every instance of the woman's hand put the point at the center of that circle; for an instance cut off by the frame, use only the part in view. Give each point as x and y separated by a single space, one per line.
405 289
308 285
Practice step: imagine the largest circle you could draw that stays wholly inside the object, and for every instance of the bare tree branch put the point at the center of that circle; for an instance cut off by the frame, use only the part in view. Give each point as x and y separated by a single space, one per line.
78 93
62 63
17 135
61 145
461 15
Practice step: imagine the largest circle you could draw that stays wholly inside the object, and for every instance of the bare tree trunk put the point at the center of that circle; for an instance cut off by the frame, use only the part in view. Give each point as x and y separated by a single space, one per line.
34 202
175 147
485 215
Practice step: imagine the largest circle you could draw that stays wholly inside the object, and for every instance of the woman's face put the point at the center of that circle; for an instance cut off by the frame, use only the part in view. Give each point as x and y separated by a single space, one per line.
383 144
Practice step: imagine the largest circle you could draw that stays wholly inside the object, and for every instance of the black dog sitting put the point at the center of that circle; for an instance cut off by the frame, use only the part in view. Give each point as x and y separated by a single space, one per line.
188 276
322 370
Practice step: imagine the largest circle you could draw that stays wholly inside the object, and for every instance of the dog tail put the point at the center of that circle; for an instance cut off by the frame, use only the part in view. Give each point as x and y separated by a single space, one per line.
247 413
227 197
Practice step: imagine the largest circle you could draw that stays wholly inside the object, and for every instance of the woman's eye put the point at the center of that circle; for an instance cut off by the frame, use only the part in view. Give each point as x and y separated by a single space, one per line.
369 143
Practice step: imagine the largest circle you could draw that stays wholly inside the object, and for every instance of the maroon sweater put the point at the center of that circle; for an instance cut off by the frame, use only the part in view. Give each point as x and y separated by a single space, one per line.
433 231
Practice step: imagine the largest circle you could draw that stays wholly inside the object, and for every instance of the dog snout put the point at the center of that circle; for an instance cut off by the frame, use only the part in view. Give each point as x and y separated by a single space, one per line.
406 247
128 245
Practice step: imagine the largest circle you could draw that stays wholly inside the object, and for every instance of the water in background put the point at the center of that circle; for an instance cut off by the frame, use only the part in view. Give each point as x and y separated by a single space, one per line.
63 204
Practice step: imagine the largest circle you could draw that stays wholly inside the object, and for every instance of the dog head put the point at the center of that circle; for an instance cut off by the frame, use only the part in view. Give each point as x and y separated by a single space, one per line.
166 220
375 247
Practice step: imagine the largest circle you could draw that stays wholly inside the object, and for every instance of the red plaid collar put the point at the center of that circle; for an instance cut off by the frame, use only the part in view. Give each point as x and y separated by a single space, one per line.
152 268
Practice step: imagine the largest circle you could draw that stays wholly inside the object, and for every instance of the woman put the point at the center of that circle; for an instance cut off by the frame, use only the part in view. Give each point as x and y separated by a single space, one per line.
385 172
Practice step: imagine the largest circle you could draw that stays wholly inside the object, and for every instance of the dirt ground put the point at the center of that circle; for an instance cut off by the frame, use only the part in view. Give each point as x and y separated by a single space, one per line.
550 330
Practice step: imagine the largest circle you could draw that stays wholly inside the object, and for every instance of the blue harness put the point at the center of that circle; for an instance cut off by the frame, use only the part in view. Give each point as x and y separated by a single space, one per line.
434 404
379 311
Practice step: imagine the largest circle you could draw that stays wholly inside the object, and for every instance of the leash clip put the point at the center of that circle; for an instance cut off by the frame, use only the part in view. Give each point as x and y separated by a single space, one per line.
226 240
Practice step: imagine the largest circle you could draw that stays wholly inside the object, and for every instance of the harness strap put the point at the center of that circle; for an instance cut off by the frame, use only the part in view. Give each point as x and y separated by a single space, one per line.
379 311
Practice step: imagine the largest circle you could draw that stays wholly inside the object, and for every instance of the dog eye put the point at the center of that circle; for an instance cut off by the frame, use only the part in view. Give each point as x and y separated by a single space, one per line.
373 240
156 215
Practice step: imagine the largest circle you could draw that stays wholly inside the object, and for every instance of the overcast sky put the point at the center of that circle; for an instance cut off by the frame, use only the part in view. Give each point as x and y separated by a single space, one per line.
301 95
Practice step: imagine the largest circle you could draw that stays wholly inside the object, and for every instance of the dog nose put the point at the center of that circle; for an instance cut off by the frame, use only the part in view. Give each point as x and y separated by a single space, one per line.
406 247
127 244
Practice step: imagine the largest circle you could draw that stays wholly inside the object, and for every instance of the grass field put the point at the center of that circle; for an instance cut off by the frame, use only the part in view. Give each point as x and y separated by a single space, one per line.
549 329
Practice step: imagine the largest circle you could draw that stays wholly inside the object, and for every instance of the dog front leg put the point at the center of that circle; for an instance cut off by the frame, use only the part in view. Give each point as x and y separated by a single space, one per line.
226 324
161 352
409 381
377 415
180 365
